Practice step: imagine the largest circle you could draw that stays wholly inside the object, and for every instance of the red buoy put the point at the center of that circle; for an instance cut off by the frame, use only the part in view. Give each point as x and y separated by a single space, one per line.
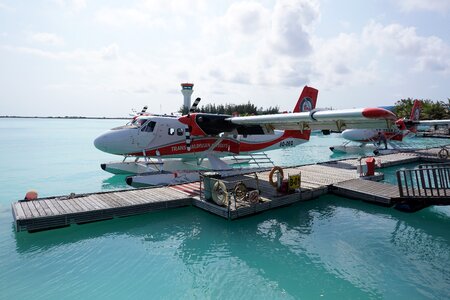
31 195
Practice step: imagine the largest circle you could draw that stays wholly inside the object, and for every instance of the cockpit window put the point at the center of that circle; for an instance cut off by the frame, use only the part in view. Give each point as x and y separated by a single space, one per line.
138 122
149 127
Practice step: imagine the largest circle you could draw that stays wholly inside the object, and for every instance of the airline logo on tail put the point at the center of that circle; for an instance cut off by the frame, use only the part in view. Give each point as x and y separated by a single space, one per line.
307 100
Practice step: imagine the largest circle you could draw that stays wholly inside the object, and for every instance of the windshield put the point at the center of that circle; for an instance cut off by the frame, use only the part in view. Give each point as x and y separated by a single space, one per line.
138 122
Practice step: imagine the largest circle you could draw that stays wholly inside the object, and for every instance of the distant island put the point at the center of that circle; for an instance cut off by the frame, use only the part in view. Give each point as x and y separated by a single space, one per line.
66 117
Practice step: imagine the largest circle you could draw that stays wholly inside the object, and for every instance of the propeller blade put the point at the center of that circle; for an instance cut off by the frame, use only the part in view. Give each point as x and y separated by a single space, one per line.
144 109
187 132
194 105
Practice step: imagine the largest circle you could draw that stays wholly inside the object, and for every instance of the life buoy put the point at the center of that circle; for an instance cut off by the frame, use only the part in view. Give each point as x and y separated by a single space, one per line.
240 191
443 153
253 196
31 195
275 169
219 193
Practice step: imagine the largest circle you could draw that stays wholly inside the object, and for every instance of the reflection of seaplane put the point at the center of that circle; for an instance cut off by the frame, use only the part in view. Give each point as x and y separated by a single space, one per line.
378 140
195 137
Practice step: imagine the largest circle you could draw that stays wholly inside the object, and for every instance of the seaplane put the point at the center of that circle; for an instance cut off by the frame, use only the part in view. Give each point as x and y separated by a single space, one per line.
380 140
203 141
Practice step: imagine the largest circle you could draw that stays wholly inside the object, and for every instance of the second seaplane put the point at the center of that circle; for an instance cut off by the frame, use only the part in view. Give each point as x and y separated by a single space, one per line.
173 149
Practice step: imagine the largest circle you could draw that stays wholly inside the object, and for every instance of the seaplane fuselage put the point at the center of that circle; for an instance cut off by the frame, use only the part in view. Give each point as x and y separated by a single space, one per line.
164 136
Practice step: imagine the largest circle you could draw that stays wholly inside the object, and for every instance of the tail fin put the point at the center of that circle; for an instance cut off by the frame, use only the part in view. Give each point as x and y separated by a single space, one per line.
415 114
307 100
416 109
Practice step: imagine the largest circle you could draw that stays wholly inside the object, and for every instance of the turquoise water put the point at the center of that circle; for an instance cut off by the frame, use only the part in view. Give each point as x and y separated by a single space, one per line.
330 247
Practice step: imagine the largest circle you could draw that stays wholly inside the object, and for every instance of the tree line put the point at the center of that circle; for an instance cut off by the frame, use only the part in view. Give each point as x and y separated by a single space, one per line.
247 109
431 110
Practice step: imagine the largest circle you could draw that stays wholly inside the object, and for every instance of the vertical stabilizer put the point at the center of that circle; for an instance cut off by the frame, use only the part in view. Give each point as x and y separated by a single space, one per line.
416 109
307 100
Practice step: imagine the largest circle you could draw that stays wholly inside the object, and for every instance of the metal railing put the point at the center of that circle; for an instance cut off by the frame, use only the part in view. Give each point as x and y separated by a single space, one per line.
427 181
259 159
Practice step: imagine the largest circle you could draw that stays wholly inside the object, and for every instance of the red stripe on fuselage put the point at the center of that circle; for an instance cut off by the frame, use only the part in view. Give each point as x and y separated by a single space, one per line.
227 145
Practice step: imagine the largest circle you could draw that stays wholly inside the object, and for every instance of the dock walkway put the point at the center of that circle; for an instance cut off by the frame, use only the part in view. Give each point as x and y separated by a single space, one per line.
318 179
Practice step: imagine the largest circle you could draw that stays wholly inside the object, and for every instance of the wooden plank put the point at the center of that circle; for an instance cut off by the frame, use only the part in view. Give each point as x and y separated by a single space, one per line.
96 202
77 203
32 209
61 210
111 201
48 211
84 202
123 202
67 208
146 197
18 211
102 202
43 212
76 206
26 209
52 207
130 197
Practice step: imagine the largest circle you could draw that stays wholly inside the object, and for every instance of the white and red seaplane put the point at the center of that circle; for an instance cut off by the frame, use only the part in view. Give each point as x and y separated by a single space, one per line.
175 148
380 140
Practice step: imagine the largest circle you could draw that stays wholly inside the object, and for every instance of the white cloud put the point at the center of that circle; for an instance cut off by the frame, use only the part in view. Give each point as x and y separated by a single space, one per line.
246 18
426 53
292 23
107 53
72 5
4 6
420 5
152 13
47 38
263 46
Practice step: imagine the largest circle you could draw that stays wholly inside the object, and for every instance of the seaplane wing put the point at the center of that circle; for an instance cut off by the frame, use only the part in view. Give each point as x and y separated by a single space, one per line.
335 120
434 122
303 117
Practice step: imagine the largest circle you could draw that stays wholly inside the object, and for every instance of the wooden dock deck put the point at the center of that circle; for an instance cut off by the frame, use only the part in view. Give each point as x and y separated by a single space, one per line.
366 190
338 177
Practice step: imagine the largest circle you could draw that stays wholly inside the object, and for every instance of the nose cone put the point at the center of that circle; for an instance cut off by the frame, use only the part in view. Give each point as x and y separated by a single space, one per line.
115 142
101 143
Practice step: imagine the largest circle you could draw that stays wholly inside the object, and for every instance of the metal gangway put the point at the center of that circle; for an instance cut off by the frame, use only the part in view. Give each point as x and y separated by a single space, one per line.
260 159
428 182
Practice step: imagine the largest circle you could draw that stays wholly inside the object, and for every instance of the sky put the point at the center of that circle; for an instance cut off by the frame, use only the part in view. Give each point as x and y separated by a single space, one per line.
105 58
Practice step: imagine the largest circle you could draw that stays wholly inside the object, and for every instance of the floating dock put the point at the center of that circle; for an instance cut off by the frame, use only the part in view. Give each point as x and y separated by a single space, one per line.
339 177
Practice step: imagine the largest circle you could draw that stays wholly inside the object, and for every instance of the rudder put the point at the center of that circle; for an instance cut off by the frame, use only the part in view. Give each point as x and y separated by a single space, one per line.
415 111
307 100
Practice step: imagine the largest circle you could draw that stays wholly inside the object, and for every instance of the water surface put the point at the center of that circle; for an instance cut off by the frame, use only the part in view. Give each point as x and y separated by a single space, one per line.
330 247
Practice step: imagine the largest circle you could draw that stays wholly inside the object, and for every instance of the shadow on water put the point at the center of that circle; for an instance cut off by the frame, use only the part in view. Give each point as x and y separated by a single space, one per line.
335 238
115 182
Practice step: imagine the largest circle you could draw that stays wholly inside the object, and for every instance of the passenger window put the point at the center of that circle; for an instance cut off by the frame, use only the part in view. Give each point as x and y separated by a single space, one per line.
180 131
171 131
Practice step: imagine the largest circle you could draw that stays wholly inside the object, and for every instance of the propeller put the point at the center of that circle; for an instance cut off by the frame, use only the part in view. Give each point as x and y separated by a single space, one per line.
135 113
144 109
187 120
194 105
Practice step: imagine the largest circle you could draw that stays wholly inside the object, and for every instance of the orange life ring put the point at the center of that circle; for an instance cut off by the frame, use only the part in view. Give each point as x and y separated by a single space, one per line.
31 195
274 169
